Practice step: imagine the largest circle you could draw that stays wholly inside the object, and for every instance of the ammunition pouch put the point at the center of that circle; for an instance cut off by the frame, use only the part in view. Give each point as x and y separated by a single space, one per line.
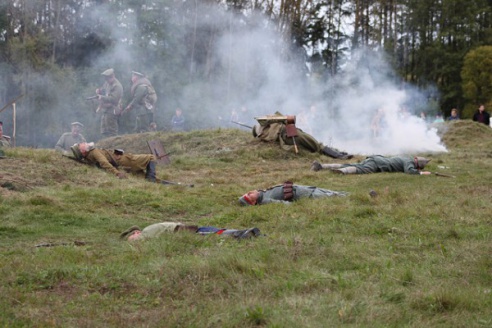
288 191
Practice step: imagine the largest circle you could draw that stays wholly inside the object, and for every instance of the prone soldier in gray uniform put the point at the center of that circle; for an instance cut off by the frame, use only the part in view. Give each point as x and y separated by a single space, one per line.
286 193
378 163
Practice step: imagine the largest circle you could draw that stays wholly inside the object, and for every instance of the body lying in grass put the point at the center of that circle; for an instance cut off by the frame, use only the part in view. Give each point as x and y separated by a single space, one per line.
157 229
378 163
285 193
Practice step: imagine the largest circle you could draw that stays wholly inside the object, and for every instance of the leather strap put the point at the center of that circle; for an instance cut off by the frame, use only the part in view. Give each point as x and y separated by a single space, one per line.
288 191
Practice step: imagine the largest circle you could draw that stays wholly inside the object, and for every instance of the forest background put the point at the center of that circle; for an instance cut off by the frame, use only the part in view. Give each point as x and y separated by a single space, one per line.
210 57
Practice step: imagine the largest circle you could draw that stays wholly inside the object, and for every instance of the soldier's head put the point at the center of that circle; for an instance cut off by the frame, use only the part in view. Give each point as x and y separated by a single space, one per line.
420 162
131 233
108 75
118 153
81 150
249 198
136 76
76 128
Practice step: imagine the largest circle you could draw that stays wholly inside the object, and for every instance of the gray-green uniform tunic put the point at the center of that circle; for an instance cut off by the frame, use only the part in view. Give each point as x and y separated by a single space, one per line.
143 102
110 107
276 194
378 163
67 140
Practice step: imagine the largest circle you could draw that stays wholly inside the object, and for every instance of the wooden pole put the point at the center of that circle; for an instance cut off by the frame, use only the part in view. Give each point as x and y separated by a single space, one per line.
13 130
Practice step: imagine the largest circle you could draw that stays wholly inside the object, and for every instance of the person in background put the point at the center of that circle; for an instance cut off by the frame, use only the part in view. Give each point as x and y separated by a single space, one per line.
454 115
482 116
4 140
143 102
438 118
68 139
109 97
178 120
285 193
377 164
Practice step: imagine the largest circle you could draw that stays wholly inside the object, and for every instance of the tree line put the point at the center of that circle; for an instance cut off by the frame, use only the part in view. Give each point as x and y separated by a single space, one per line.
53 51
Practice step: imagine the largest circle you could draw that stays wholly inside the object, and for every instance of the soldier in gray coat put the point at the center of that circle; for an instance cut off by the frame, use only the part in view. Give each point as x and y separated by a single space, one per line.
286 193
69 139
378 163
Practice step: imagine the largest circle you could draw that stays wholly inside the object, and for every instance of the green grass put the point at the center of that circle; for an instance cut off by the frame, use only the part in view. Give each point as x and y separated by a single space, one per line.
417 255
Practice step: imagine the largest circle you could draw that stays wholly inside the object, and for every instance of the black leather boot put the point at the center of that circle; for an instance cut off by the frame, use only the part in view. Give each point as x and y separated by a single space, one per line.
150 172
335 154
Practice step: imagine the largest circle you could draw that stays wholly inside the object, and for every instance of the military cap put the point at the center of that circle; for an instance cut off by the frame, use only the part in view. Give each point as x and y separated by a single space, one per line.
119 152
108 72
78 123
138 74
421 162
128 232
245 201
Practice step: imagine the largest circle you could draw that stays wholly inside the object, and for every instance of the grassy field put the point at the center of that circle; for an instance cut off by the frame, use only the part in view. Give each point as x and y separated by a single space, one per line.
417 255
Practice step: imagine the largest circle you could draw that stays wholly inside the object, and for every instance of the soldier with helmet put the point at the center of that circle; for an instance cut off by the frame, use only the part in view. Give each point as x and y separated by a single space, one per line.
378 163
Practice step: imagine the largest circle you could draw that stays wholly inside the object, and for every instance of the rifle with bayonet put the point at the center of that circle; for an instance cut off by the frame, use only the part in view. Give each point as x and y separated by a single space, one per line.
241 124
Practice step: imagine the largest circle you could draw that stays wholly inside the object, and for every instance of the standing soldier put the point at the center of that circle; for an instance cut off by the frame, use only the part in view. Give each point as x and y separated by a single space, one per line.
4 140
110 103
143 101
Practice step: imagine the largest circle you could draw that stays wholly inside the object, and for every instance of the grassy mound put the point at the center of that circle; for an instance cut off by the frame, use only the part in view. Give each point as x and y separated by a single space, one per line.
415 253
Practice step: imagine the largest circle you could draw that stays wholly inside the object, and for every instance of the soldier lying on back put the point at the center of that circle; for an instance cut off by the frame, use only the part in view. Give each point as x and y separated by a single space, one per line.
378 163
285 193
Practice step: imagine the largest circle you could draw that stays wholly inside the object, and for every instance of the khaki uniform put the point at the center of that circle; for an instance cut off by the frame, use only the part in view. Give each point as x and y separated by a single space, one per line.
135 163
111 108
103 159
378 163
143 102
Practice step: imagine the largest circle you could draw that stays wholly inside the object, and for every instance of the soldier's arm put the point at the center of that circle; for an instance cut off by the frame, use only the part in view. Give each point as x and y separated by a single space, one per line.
114 96
60 145
140 93
103 162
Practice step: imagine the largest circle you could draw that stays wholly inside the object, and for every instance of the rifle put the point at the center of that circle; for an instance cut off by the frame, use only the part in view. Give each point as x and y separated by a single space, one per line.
11 102
91 98
75 243
241 124
174 183
444 175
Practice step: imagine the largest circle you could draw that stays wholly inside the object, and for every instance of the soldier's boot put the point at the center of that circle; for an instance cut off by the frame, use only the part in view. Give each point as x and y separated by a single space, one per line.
335 154
150 174
316 166
346 170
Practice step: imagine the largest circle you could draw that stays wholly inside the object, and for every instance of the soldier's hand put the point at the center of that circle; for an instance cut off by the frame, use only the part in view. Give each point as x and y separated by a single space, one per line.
425 173
121 175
